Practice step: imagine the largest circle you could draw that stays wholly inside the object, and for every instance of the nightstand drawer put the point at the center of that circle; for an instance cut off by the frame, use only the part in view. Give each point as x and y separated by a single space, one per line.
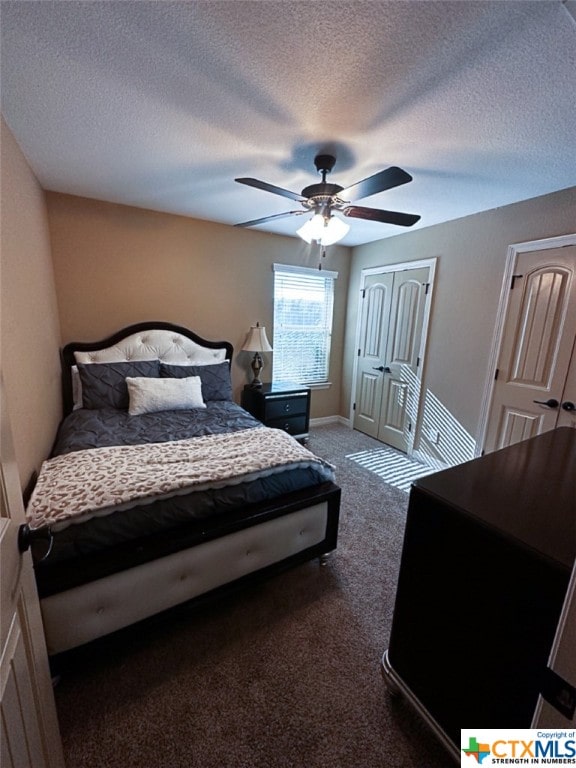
294 425
286 406
281 405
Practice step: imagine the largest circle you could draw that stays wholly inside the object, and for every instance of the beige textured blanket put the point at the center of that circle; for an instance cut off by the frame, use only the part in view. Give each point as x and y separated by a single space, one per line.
76 486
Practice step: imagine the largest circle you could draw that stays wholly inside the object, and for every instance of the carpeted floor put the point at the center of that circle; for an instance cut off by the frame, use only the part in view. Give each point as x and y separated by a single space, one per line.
285 674
394 467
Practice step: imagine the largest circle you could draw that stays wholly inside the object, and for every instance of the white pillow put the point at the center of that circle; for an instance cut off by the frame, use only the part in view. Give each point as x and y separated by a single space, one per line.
148 395
77 401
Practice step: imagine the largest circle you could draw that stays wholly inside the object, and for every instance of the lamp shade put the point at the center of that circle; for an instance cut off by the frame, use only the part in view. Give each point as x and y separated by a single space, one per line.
325 230
256 340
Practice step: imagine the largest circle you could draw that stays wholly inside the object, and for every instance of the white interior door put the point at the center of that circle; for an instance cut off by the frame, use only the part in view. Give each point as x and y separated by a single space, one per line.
372 350
388 371
30 737
567 410
535 370
401 388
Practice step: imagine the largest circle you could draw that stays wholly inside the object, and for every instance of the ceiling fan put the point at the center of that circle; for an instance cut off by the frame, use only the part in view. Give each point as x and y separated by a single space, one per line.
323 199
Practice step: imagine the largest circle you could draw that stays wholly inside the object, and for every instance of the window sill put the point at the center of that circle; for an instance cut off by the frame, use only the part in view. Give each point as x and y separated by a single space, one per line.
318 385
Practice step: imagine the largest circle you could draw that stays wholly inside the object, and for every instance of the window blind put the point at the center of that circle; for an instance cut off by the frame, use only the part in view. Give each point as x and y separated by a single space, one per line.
303 309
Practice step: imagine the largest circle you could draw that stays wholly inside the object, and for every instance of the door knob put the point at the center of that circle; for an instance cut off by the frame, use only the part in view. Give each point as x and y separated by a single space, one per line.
378 368
568 406
40 539
551 403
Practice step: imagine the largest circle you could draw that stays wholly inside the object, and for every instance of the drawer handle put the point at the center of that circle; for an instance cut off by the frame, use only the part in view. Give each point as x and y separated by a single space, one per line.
287 407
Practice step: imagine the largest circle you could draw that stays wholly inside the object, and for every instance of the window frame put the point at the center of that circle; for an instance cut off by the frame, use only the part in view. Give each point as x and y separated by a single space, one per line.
321 280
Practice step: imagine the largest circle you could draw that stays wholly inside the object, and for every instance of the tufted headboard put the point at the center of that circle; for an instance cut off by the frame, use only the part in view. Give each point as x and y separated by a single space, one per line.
162 341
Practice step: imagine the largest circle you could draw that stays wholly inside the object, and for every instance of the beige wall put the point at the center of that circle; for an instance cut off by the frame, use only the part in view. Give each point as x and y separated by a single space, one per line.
116 265
113 265
29 331
471 255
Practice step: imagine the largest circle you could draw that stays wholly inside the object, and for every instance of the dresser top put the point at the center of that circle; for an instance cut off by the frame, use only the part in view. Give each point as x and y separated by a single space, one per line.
527 491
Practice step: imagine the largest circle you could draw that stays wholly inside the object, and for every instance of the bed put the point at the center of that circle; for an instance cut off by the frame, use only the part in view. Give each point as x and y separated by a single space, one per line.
162 490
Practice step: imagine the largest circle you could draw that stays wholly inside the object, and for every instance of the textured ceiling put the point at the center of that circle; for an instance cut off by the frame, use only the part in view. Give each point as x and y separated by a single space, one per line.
162 104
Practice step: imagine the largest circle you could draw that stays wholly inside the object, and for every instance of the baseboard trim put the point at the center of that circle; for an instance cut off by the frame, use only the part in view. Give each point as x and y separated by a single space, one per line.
330 420
429 461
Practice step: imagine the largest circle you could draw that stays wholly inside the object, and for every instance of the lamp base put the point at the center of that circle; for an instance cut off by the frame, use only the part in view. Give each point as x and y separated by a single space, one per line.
256 366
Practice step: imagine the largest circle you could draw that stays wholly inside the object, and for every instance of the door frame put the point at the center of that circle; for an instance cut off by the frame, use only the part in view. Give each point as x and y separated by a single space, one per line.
381 270
35 731
514 251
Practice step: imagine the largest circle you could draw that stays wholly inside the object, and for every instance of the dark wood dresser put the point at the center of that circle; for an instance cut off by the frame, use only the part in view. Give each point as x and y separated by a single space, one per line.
488 551
282 405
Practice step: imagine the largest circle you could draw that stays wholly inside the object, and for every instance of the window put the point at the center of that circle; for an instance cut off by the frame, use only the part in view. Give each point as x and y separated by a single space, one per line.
303 304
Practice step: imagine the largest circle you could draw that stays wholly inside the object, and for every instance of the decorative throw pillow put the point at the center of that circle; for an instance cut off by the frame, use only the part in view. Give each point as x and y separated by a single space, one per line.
104 384
151 395
216 383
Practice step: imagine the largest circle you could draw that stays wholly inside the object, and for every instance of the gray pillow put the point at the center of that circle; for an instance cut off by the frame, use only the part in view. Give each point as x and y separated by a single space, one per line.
104 384
216 383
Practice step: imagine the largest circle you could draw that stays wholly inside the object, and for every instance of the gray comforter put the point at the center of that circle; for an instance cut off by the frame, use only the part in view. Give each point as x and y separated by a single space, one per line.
107 427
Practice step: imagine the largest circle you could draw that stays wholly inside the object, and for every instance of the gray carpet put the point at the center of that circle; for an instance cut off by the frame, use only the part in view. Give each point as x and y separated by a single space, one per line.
285 674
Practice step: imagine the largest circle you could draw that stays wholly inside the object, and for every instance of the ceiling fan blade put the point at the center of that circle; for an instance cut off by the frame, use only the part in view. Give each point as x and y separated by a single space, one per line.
254 222
271 188
385 217
379 182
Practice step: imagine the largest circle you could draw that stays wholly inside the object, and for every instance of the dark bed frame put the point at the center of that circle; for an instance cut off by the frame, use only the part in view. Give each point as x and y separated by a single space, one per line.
80 583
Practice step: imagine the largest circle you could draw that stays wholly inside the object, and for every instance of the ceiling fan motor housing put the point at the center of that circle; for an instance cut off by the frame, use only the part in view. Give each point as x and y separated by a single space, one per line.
322 190
322 197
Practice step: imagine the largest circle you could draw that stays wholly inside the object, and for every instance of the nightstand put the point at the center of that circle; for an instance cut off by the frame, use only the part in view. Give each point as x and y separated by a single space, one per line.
282 405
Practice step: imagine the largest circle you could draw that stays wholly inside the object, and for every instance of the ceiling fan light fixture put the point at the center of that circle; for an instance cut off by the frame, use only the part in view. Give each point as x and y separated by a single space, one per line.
312 229
334 231
325 230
